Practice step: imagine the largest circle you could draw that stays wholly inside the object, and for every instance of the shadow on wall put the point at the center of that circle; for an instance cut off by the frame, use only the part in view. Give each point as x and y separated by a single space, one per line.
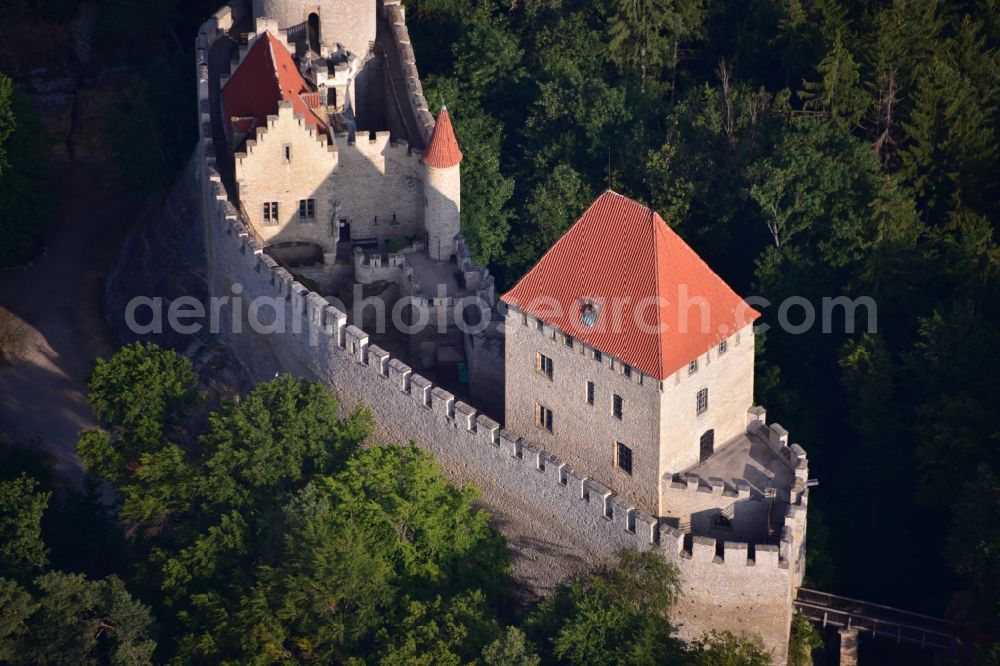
743 520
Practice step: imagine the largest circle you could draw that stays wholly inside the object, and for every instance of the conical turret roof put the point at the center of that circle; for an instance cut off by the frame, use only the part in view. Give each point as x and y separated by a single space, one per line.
443 152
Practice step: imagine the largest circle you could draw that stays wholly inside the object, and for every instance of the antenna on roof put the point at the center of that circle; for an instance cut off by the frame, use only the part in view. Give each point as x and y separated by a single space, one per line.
609 167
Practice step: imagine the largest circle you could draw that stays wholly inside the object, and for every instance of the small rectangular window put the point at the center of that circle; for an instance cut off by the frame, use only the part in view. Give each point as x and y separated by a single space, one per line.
591 391
618 406
723 346
543 417
693 367
287 152
702 401
627 370
543 365
524 318
270 212
307 209
539 325
569 341
597 356
623 458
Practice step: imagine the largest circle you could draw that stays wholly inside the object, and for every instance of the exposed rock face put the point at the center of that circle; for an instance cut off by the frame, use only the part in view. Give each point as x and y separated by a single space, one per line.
76 110
163 258
52 64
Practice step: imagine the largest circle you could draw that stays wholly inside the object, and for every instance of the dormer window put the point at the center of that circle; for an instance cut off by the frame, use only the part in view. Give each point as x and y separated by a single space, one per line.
588 313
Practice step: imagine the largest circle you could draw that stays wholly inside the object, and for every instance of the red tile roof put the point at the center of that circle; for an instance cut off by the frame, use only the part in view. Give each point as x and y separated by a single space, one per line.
637 273
266 76
443 151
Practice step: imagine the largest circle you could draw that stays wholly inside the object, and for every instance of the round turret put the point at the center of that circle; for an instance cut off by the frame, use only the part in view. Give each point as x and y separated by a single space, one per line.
442 189
322 24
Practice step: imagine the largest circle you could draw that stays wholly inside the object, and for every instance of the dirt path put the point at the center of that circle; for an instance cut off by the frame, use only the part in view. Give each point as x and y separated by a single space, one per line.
58 300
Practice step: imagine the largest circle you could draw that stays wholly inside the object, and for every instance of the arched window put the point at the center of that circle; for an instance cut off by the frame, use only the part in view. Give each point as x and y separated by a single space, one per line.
312 31
707 444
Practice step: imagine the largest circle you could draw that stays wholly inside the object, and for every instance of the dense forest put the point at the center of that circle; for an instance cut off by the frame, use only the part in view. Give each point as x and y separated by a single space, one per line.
813 148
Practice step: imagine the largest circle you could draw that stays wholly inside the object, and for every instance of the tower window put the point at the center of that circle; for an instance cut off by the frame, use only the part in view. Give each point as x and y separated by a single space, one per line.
591 392
307 209
569 341
618 406
270 212
623 458
539 325
702 401
693 367
723 346
597 356
627 370
543 417
543 365
286 150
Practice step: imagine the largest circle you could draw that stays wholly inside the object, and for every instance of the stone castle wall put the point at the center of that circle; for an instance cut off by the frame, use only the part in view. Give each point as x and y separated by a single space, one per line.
729 380
732 586
347 22
584 434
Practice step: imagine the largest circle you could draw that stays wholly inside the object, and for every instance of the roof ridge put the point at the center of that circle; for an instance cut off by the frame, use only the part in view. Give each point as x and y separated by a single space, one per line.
656 286
274 62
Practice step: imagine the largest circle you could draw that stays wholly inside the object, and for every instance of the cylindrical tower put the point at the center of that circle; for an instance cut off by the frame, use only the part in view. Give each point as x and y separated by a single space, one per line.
324 23
442 189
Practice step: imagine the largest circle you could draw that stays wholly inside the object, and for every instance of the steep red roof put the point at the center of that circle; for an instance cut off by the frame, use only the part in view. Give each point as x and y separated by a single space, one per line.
265 77
443 151
623 261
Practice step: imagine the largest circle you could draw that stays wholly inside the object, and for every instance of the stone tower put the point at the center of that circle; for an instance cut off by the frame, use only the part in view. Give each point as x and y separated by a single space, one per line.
324 23
442 189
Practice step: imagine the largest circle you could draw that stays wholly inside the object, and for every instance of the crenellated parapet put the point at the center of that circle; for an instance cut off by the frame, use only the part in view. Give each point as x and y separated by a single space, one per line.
395 14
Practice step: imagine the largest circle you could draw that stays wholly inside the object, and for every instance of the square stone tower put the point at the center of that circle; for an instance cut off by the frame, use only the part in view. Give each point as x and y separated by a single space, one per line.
626 355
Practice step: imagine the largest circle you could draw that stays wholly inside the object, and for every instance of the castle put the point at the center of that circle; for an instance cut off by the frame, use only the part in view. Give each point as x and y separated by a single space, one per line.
626 424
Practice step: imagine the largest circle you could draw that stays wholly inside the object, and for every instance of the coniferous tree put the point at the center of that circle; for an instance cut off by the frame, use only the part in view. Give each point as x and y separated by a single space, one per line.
837 95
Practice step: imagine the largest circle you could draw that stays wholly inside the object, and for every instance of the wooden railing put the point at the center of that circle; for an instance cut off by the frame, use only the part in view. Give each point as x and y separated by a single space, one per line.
882 621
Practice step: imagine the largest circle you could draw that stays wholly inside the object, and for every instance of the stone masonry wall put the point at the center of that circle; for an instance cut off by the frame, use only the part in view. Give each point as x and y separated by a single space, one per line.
729 380
696 503
555 517
264 175
348 22
585 435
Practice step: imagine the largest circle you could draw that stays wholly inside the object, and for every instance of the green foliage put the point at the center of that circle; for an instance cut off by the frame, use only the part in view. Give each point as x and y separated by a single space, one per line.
485 191
727 649
23 173
68 619
645 35
951 143
805 639
838 95
150 146
22 552
140 394
552 207
285 430
510 649
818 184
619 613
